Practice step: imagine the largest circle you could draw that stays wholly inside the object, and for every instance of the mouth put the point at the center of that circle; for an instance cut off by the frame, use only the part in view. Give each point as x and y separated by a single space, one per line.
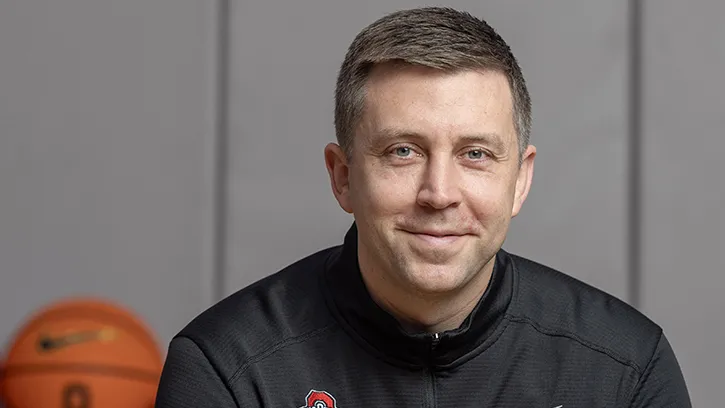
437 238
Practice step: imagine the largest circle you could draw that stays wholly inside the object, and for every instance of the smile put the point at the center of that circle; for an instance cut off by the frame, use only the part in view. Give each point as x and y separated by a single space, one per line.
435 239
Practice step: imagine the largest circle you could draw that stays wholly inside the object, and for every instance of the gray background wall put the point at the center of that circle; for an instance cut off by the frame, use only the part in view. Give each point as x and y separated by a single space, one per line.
106 156
684 192
118 179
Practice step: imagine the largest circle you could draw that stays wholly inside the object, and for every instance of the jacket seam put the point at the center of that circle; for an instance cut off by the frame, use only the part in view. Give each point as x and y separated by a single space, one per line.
214 367
585 343
633 393
276 347
482 347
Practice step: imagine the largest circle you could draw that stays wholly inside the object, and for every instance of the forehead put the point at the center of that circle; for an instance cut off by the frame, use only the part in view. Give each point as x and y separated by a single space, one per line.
437 103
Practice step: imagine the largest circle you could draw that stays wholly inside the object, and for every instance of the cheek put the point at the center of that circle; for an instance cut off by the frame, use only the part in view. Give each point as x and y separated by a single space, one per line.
490 201
382 192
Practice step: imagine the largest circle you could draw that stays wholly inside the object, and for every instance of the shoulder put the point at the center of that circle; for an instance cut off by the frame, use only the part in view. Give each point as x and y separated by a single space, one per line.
557 304
285 307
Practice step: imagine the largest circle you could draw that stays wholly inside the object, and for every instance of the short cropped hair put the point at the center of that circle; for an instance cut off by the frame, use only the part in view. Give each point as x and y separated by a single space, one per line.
435 37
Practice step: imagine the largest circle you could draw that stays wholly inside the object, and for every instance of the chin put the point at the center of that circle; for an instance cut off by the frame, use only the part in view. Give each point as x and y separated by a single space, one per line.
435 278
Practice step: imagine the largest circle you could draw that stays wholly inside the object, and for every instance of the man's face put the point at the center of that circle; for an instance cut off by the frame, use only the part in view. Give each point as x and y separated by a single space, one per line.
434 178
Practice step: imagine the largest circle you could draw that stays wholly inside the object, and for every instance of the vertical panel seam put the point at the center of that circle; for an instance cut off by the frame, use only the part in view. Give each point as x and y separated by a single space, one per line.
221 158
634 198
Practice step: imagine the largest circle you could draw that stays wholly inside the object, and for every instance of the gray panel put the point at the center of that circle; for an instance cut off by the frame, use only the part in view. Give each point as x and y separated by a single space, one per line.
285 57
684 193
105 168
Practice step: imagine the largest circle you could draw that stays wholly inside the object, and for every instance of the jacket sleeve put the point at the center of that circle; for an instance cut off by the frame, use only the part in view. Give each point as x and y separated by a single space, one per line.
189 380
662 384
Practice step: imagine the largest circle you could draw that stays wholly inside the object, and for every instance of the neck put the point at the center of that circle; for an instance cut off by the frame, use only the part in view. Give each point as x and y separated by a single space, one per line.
425 312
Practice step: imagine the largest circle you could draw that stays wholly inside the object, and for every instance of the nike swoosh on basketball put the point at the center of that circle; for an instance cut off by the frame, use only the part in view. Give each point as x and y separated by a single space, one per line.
48 343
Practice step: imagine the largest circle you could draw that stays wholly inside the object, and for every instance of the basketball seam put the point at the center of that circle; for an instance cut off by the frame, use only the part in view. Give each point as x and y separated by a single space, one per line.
131 373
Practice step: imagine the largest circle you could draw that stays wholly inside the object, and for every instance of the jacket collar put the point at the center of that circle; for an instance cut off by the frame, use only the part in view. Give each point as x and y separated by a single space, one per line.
380 333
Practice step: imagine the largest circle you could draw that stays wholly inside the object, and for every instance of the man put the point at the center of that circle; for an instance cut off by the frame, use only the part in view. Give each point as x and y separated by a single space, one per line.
420 306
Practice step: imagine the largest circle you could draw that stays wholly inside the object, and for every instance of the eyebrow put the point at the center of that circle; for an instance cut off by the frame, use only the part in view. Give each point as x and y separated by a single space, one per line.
490 139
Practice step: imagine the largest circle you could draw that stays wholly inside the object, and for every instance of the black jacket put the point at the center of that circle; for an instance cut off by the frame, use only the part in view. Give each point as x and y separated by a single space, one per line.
310 335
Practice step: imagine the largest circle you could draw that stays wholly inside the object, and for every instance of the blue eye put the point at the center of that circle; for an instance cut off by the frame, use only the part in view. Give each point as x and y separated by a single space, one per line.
475 154
403 151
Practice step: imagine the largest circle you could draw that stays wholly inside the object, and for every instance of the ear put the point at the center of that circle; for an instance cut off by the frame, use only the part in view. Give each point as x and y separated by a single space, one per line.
524 179
338 170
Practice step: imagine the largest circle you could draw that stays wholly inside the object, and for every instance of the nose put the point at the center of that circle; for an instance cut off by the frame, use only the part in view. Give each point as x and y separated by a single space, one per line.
440 187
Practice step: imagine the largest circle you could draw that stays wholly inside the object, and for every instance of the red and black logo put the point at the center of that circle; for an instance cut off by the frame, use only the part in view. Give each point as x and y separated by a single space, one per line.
320 399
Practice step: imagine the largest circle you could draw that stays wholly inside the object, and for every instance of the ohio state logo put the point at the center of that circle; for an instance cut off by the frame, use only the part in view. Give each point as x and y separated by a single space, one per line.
320 399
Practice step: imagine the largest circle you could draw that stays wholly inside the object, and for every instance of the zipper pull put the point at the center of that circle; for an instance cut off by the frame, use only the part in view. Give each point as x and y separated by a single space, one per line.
435 340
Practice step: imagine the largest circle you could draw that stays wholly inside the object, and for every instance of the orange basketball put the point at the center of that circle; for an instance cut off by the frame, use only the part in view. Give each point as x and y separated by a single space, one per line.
2 373
82 353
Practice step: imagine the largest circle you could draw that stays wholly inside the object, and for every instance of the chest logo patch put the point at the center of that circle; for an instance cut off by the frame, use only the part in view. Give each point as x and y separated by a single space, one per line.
320 399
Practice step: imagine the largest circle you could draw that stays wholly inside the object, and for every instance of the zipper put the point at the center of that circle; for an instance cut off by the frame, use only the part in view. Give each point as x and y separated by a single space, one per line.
431 394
